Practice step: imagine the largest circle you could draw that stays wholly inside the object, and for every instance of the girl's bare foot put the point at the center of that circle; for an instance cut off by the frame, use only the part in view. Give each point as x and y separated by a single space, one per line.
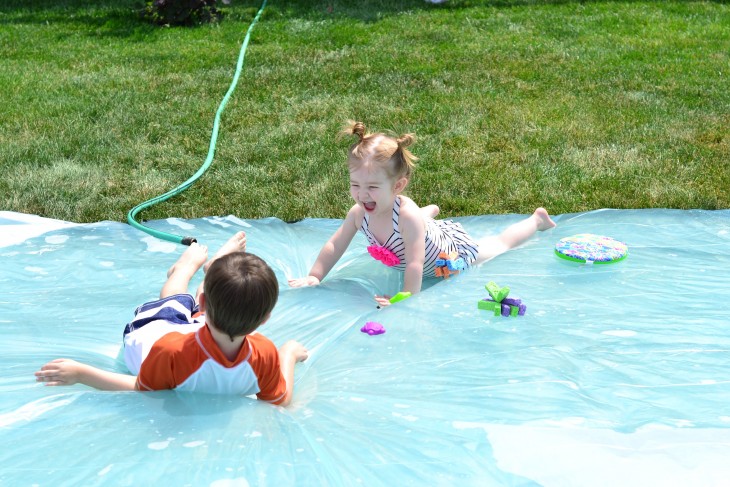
237 243
193 257
544 222
430 211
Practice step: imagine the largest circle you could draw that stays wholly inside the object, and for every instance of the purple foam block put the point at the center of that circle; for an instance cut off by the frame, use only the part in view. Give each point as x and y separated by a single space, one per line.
372 328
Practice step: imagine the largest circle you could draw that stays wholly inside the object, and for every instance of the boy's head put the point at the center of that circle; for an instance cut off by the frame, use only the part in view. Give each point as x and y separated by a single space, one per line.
381 150
240 291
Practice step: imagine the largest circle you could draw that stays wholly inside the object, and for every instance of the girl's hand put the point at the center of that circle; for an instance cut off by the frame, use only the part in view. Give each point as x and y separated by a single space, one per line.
60 372
382 301
304 281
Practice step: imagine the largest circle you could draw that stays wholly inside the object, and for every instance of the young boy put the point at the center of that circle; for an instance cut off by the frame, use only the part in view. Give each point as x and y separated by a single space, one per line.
212 347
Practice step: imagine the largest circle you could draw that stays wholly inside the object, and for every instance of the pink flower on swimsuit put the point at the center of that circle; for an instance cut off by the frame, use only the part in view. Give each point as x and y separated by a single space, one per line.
383 255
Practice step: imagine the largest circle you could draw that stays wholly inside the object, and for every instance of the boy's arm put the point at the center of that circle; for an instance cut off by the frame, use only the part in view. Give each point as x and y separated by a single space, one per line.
332 250
65 372
289 354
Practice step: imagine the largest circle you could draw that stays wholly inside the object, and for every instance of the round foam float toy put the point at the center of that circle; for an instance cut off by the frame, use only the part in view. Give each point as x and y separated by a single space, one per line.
591 249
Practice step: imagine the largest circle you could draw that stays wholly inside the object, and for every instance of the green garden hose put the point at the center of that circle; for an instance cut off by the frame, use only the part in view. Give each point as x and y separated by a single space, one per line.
131 216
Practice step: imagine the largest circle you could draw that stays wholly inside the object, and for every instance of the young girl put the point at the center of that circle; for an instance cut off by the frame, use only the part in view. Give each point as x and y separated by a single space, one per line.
401 234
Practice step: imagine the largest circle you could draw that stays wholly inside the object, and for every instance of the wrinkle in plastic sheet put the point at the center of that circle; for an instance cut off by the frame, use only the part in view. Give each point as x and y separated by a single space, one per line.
617 374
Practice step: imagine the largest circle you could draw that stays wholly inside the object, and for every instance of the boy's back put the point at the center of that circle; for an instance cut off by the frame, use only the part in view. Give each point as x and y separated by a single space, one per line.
194 362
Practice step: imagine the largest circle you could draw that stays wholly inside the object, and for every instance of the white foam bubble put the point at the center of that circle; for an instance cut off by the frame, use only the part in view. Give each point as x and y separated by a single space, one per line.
154 244
180 223
158 445
56 239
193 444
620 333
36 270
407 417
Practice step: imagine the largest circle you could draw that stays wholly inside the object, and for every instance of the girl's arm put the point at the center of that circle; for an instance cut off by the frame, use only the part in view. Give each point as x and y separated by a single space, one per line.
332 250
65 372
413 231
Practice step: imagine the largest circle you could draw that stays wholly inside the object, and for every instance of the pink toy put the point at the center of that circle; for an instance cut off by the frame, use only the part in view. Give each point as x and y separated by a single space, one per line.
383 255
373 328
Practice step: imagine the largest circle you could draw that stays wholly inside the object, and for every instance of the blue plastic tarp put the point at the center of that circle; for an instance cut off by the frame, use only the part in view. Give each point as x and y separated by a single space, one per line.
617 374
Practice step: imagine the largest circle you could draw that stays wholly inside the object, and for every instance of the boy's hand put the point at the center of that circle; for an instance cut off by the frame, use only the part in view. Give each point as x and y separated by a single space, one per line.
60 372
383 301
295 349
304 281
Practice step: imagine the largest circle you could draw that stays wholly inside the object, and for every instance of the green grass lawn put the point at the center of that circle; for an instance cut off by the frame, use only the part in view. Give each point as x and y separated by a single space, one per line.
515 104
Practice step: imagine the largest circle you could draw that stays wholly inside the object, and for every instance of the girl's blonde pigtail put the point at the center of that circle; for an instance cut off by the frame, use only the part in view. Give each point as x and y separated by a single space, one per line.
405 140
408 160
358 128
354 128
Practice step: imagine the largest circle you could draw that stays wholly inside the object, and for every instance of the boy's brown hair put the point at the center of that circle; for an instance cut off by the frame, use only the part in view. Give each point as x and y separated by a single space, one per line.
240 291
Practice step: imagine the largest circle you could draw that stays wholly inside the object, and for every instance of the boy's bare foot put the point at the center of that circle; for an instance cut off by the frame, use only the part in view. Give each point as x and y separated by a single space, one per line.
544 222
237 243
193 257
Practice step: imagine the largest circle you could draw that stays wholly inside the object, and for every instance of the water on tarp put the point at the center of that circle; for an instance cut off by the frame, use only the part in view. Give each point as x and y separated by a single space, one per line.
616 375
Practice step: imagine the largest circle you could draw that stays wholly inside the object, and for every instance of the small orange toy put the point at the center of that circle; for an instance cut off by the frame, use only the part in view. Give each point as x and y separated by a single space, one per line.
448 264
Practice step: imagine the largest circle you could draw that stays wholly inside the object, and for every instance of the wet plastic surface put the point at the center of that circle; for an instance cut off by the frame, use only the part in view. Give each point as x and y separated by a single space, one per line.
616 375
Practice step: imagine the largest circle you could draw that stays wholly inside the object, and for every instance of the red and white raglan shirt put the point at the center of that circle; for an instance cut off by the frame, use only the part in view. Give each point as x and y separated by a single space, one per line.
168 346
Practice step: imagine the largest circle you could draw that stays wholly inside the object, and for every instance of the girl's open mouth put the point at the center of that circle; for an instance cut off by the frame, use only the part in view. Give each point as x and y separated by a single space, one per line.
369 206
